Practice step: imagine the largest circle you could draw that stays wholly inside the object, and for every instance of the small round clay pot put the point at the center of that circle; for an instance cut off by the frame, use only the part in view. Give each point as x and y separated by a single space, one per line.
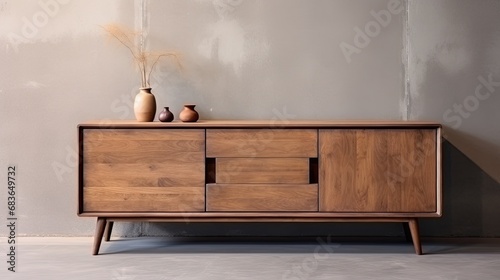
188 114
165 115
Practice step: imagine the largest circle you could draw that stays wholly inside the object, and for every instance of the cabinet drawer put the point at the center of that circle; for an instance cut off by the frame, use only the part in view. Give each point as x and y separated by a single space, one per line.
255 198
262 143
123 199
262 170
142 170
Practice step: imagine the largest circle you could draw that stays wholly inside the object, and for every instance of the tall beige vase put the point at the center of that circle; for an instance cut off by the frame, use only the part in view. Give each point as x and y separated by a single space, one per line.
145 105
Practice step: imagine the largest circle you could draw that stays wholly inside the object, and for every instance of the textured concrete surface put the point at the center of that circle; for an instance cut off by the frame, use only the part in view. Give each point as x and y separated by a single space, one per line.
259 59
162 259
454 73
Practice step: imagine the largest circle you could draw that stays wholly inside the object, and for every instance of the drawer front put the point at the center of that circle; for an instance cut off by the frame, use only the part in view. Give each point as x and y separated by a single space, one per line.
255 198
147 199
143 170
262 143
262 170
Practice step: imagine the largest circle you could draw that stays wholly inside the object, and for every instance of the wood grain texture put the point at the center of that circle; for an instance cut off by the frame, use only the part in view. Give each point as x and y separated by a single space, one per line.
415 236
143 134
262 143
262 170
253 197
99 232
108 230
143 158
271 124
168 174
369 171
378 170
439 179
235 218
125 199
264 216
130 169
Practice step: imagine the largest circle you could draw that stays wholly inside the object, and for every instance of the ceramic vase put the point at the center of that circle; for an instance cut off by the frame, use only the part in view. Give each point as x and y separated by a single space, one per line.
165 115
189 114
145 105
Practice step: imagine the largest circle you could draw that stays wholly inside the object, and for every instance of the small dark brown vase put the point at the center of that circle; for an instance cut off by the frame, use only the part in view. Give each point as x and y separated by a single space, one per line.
165 115
188 114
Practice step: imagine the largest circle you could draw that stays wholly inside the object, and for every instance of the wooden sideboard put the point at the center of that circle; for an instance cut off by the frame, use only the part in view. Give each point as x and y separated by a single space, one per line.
259 171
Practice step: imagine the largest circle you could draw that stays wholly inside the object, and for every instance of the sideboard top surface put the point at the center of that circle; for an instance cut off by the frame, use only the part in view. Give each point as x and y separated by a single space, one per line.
259 124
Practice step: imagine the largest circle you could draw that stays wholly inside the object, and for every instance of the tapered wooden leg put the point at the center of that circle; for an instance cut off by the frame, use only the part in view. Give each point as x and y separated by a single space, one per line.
99 232
406 229
413 223
107 231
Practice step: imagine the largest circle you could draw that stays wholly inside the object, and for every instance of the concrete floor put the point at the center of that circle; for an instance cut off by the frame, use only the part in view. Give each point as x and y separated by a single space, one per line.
166 258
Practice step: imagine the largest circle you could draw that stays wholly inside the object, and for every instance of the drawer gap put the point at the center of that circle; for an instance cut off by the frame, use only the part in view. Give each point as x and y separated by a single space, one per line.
313 170
210 170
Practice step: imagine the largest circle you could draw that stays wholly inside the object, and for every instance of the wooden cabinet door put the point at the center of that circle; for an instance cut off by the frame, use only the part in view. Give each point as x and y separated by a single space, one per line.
143 170
378 170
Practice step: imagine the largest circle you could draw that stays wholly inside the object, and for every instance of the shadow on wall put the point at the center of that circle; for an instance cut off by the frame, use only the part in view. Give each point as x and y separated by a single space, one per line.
470 209
470 199
455 73
470 195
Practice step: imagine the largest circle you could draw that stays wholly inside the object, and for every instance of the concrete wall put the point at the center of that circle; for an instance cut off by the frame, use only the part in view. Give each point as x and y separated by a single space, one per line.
256 59
454 74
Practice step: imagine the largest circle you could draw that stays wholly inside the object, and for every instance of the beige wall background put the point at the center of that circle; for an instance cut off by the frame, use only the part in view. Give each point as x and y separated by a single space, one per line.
251 59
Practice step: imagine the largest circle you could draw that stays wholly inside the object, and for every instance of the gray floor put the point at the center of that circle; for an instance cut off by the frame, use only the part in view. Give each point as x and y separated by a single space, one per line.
162 258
